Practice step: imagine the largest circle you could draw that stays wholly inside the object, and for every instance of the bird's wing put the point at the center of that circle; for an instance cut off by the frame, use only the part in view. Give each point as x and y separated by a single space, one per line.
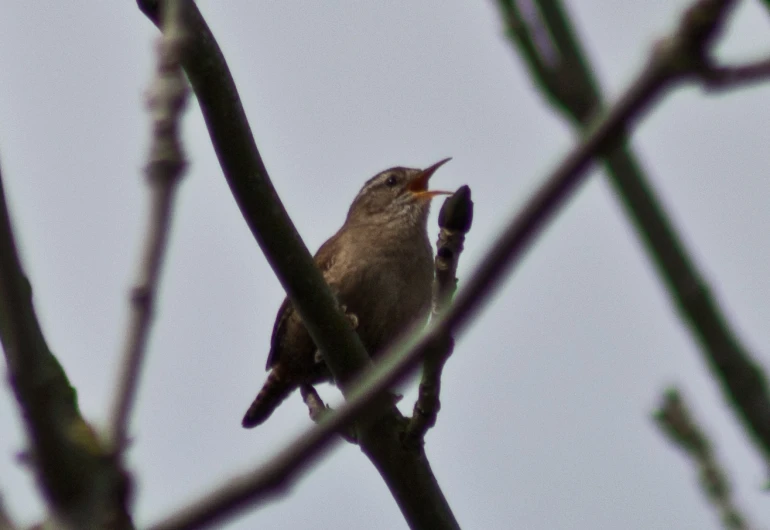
324 259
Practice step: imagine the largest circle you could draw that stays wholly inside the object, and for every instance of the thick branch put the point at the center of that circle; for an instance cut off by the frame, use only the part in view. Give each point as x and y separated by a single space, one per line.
80 482
505 252
5 520
743 382
258 201
281 471
167 98
676 422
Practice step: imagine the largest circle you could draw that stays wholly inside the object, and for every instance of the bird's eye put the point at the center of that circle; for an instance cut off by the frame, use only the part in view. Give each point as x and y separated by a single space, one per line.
392 181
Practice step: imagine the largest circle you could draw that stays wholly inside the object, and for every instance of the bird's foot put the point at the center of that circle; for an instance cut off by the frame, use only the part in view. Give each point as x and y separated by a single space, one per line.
352 318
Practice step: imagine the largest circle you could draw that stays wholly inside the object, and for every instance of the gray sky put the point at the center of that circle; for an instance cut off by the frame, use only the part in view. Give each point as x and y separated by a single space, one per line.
546 401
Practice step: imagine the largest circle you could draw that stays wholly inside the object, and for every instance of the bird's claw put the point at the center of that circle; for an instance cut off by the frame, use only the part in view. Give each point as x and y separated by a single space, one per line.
352 318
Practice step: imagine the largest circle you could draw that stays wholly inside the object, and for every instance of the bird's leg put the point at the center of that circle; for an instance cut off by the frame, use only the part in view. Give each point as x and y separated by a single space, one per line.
352 318
315 405
318 409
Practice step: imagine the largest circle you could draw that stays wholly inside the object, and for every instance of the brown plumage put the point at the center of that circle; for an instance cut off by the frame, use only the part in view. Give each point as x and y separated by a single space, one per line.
380 266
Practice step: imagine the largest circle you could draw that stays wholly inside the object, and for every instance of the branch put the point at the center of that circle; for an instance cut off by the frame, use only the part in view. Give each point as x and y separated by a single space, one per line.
258 201
167 97
743 382
5 520
675 421
79 480
725 77
407 473
281 471
454 221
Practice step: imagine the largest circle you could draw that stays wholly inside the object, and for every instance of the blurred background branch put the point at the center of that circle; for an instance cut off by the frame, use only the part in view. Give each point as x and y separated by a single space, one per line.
166 100
562 72
80 480
676 422
407 472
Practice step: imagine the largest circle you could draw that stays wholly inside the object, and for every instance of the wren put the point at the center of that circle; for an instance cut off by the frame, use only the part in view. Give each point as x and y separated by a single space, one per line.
380 267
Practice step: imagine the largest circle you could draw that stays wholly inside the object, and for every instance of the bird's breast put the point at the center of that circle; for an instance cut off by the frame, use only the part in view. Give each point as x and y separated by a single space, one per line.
391 292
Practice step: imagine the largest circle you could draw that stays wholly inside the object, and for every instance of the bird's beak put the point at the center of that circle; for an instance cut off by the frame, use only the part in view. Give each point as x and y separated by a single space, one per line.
419 184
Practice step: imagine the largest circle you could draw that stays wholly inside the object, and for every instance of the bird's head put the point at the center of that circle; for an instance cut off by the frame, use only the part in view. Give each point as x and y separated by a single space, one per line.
395 195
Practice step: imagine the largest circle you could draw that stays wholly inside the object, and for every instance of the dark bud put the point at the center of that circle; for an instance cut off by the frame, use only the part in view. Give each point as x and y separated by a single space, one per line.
457 212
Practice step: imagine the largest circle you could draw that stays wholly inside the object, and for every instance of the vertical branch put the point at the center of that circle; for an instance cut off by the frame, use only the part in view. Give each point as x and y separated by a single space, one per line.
675 421
167 97
454 221
5 520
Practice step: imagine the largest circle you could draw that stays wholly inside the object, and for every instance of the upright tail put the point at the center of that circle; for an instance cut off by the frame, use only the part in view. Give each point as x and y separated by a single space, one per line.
274 391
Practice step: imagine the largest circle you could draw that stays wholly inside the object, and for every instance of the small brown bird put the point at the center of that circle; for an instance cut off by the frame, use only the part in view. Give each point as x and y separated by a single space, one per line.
380 266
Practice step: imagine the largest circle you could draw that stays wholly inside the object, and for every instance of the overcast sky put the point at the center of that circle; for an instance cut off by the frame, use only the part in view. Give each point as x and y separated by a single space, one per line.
546 401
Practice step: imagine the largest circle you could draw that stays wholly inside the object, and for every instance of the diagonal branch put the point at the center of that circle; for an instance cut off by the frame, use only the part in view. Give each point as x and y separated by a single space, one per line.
276 476
676 422
167 98
718 77
743 382
258 201
318 410
407 473
5 520
454 221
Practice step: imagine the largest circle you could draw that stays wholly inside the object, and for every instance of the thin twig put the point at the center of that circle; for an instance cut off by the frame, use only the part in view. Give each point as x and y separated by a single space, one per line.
167 97
676 422
717 77
455 219
276 476
573 89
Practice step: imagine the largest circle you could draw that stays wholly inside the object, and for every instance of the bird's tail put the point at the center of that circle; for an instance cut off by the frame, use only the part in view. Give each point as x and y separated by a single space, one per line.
274 391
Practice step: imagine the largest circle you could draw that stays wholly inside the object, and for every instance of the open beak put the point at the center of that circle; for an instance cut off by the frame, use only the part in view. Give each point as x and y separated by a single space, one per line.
419 184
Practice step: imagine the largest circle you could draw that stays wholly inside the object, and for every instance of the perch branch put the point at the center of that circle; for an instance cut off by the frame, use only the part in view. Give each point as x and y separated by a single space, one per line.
258 201
407 473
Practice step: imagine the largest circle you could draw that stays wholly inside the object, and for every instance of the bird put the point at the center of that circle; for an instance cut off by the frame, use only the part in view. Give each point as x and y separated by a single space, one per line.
379 265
